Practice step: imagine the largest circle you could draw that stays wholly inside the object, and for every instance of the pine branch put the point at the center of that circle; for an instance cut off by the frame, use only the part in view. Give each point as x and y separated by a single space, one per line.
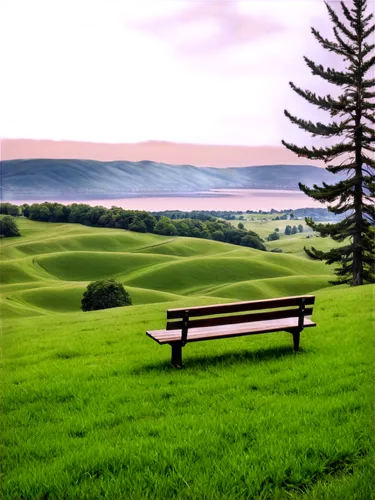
339 255
327 103
348 50
369 117
367 65
341 49
314 254
336 21
369 161
343 167
341 208
367 105
366 20
367 49
368 32
368 83
369 210
358 9
330 75
327 154
347 14
329 193
366 144
371 175
319 128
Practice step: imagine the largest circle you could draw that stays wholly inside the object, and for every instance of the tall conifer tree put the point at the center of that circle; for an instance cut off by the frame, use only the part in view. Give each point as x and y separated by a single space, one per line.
353 155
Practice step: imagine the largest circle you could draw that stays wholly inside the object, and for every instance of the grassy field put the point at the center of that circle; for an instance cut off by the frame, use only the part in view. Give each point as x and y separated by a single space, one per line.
265 225
92 409
292 244
48 268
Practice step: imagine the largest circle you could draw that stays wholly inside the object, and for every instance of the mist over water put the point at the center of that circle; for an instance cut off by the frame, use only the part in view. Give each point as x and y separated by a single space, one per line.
220 199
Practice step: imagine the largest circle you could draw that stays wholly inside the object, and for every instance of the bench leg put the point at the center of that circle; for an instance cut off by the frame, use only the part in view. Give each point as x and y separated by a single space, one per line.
177 354
296 335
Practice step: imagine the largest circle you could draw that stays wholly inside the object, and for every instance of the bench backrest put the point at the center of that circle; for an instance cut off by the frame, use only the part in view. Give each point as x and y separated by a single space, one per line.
285 307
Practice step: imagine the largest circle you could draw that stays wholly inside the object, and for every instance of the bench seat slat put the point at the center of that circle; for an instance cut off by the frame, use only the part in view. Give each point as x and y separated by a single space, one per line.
215 332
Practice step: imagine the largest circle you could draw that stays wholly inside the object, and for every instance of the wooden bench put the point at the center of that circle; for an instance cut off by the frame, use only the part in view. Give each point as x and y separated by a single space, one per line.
220 321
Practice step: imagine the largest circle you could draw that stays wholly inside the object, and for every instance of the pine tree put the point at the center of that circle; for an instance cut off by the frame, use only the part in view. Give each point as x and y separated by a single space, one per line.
353 125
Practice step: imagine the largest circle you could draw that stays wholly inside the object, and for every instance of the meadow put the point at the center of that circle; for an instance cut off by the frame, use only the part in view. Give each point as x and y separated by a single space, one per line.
91 407
291 244
48 268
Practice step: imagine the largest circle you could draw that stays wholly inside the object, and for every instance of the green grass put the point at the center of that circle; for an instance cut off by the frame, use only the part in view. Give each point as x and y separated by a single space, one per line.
292 244
90 266
265 225
295 243
92 408
271 287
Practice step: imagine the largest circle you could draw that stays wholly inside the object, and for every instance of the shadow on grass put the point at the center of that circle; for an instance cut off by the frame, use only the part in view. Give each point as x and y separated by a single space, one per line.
205 362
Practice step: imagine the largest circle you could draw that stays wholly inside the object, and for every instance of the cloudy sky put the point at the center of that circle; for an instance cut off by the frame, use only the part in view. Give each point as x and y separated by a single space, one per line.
191 71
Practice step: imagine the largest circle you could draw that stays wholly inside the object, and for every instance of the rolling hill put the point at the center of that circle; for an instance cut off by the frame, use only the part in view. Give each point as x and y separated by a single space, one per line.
46 270
79 179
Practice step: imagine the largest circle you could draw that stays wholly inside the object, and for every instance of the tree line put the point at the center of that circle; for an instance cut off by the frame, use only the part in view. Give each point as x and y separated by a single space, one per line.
282 214
140 221
223 214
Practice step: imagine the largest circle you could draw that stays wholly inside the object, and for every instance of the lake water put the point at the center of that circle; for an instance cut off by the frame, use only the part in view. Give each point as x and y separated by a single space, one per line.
220 199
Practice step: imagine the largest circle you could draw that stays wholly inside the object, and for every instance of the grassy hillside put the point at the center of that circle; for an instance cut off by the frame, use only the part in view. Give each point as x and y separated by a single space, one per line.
264 225
92 409
293 243
47 269
82 178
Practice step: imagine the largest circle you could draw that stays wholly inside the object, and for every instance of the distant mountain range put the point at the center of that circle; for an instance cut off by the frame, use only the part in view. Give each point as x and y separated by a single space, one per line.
83 179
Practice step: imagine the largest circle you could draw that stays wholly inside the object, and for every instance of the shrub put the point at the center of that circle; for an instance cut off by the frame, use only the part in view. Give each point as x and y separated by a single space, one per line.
8 226
9 209
273 236
104 294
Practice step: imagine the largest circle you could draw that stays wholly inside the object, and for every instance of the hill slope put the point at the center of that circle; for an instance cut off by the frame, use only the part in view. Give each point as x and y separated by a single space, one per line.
82 178
46 270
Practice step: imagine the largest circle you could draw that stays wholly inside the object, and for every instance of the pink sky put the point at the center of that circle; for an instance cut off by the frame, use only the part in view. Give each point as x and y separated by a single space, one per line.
165 152
213 74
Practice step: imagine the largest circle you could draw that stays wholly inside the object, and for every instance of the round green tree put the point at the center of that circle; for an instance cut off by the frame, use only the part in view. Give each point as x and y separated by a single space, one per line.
8 226
273 236
104 294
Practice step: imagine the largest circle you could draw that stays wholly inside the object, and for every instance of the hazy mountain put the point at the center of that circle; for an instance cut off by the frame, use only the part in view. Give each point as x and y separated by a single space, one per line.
60 178
200 155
